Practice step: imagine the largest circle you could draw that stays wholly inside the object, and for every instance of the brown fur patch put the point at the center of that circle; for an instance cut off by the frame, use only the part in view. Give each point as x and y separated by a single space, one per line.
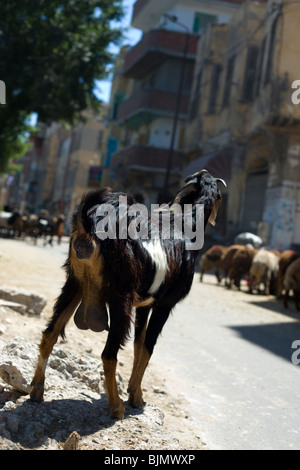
92 311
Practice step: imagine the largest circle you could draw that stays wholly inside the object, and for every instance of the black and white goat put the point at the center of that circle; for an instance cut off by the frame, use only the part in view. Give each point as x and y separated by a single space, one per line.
123 273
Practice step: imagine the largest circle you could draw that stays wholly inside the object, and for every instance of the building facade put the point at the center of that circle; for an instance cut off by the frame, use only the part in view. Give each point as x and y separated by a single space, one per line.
62 164
152 113
243 125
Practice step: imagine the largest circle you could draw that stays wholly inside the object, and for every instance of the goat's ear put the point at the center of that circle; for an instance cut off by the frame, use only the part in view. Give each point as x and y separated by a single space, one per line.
189 188
172 205
214 212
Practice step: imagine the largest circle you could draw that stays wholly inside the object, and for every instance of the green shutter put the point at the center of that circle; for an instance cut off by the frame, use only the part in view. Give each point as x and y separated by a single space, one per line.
196 24
202 20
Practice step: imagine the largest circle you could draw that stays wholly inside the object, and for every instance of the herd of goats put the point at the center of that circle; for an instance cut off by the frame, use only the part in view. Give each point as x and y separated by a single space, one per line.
34 226
277 273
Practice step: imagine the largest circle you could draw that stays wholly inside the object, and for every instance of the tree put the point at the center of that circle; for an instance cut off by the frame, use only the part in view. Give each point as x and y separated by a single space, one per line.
51 52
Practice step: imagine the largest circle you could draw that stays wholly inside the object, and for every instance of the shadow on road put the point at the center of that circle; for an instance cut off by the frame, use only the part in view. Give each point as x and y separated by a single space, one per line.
276 338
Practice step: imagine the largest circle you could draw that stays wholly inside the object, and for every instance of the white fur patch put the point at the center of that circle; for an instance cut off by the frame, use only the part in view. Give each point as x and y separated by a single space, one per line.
159 258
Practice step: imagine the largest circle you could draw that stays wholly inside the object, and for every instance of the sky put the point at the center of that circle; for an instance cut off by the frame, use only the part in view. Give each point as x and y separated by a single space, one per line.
132 36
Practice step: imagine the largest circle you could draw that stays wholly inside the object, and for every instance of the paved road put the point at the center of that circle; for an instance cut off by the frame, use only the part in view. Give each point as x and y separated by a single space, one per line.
231 353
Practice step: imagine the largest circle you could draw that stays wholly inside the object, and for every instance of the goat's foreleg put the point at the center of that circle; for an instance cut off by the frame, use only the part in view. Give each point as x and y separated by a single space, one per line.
63 310
279 285
120 317
157 320
135 394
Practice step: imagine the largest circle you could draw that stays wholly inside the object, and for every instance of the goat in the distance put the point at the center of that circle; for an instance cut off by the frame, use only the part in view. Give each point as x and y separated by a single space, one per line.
123 274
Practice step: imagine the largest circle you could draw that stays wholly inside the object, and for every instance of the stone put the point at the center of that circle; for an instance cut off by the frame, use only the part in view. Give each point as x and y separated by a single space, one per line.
33 302
14 305
17 361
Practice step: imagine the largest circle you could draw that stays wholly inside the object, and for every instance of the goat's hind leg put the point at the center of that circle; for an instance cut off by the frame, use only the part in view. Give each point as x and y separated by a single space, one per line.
63 310
135 398
157 320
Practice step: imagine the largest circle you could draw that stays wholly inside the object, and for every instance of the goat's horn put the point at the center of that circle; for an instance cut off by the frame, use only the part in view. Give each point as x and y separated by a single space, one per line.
221 181
194 176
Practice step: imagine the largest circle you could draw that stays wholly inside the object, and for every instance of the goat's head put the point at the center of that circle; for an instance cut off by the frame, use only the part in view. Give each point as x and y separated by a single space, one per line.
201 188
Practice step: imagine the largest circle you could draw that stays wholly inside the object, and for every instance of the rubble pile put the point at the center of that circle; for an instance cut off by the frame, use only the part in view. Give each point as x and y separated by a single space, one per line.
75 408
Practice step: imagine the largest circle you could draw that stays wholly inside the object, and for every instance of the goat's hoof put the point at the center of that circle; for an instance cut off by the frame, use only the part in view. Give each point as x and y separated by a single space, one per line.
117 412
136 400
37 393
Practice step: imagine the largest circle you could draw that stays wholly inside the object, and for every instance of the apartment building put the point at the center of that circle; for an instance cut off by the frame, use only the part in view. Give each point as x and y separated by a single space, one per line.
79 163
62 164
243 125
152 113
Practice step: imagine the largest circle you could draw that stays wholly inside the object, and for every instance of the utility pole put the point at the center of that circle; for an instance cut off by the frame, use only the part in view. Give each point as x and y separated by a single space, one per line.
174 19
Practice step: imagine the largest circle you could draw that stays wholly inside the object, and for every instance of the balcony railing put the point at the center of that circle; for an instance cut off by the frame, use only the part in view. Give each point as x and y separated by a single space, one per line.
153 48
158 102
142 157
140 4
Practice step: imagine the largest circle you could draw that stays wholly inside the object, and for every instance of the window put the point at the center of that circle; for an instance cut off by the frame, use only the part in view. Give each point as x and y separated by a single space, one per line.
196 98
228 82
269 68
215 79
118 98
250 73
260 67
202 20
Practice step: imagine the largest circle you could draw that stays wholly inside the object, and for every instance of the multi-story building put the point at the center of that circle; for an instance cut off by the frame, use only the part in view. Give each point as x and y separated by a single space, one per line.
243 125
62 164
152 116
79 158
48 164
28 184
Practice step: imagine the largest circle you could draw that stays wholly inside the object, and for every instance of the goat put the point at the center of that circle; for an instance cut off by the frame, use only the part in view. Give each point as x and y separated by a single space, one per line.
59 227
286 258
292 281
11 221
124 273
226 260
264 269
44 226
240 263
212 259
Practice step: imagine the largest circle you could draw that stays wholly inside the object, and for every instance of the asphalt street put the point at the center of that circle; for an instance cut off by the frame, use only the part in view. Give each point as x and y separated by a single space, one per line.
231 355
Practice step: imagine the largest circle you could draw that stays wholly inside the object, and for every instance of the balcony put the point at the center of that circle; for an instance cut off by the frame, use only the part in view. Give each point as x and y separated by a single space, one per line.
151 159
153 49
147 13
147 105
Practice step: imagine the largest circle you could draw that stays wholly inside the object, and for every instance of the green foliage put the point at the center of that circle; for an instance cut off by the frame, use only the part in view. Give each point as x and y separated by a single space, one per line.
51 52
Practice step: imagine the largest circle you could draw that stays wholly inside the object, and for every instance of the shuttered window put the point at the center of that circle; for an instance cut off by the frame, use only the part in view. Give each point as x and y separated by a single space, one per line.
250 73
194 110
260 67
215 80
228 82
270 59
